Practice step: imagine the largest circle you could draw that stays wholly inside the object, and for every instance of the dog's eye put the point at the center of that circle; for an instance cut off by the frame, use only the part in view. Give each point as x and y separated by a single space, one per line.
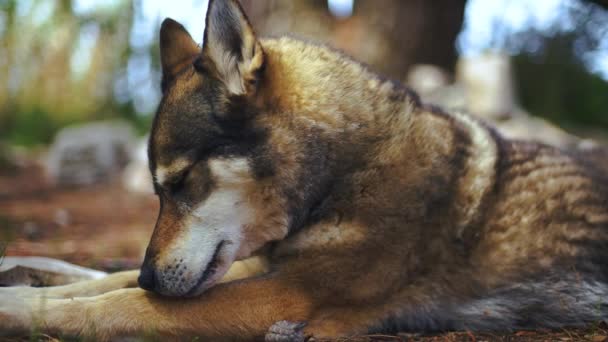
198 65
176 185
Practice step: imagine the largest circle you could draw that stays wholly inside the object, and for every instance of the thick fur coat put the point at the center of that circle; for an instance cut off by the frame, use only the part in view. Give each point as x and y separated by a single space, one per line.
370 211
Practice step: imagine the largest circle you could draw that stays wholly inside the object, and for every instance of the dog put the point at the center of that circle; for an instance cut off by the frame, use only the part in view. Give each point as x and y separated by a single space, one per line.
363 210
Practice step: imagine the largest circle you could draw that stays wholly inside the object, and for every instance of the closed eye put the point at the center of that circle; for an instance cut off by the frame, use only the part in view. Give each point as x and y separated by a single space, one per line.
176 183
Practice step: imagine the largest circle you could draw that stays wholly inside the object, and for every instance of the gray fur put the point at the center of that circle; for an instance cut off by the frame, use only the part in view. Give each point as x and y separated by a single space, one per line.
553 302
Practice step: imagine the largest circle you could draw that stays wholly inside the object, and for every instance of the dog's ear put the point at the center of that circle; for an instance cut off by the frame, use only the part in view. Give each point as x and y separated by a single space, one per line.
177 48
231 46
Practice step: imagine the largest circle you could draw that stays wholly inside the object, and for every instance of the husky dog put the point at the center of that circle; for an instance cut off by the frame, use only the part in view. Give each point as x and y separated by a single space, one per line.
366 211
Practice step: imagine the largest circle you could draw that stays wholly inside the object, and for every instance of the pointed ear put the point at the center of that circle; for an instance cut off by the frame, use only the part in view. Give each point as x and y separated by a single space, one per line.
176 48
231 46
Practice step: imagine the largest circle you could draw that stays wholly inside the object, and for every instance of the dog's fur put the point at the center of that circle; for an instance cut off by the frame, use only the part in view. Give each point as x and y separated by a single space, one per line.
375 213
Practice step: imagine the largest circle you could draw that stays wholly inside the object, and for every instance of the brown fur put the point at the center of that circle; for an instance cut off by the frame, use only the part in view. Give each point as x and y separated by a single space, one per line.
375 212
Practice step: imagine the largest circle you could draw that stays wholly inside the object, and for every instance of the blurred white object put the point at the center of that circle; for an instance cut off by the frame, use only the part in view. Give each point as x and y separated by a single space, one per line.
426 79
136 177
488 83
521 125
40 271
484 87
89 153
489 90
433 85
62 217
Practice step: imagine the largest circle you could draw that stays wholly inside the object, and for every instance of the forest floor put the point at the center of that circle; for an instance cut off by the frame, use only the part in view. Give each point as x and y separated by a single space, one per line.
107 228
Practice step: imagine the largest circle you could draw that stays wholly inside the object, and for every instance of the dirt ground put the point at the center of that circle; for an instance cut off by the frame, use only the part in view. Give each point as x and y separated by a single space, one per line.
102 226
107 228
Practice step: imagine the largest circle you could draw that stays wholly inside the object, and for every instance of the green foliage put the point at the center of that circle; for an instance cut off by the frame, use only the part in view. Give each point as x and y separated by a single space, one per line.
42 88
32 127
556 85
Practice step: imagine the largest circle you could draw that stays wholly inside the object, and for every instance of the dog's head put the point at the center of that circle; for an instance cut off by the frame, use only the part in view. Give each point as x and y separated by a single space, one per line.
228 179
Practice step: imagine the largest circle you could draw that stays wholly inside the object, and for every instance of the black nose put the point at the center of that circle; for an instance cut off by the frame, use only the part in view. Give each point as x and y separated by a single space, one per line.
147 277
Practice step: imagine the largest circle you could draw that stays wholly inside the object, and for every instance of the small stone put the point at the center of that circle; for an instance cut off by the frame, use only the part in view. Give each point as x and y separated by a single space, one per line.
31 230
62 217
90 153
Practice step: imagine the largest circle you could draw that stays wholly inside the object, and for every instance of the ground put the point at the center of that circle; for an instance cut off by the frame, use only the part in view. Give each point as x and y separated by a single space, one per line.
101 226
105 227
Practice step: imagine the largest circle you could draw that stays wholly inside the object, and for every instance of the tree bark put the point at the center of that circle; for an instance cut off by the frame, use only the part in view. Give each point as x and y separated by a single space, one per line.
389 35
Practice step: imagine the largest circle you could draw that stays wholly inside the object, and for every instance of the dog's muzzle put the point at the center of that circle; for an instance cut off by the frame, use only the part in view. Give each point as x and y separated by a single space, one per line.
177 280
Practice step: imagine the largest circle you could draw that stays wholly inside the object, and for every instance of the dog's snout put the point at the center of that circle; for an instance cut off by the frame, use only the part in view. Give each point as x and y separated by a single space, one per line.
147 277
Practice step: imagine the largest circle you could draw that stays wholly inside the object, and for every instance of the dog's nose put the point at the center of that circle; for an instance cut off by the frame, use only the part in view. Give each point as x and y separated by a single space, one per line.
147 277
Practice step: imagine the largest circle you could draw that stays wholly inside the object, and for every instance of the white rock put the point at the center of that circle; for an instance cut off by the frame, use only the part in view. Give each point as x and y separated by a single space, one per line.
89 153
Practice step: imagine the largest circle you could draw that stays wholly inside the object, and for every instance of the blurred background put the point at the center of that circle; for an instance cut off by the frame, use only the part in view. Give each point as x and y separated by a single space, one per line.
79 83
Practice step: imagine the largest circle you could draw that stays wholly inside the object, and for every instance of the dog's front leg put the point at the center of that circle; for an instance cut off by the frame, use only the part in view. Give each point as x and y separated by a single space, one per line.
238 270
86 288
239 310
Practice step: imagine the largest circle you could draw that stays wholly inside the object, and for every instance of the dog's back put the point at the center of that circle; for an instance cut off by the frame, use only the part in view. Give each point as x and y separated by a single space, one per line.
542 251
505 234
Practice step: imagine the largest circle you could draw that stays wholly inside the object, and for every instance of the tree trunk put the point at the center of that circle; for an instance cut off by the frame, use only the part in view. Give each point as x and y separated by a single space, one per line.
389 35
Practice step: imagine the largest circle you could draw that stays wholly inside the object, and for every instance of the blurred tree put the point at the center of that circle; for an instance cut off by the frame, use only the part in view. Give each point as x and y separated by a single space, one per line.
57 66
410 32
390 35
552 70
552 82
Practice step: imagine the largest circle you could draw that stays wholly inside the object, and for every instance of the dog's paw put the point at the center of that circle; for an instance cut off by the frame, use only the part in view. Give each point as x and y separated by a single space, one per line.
15 315
286 331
